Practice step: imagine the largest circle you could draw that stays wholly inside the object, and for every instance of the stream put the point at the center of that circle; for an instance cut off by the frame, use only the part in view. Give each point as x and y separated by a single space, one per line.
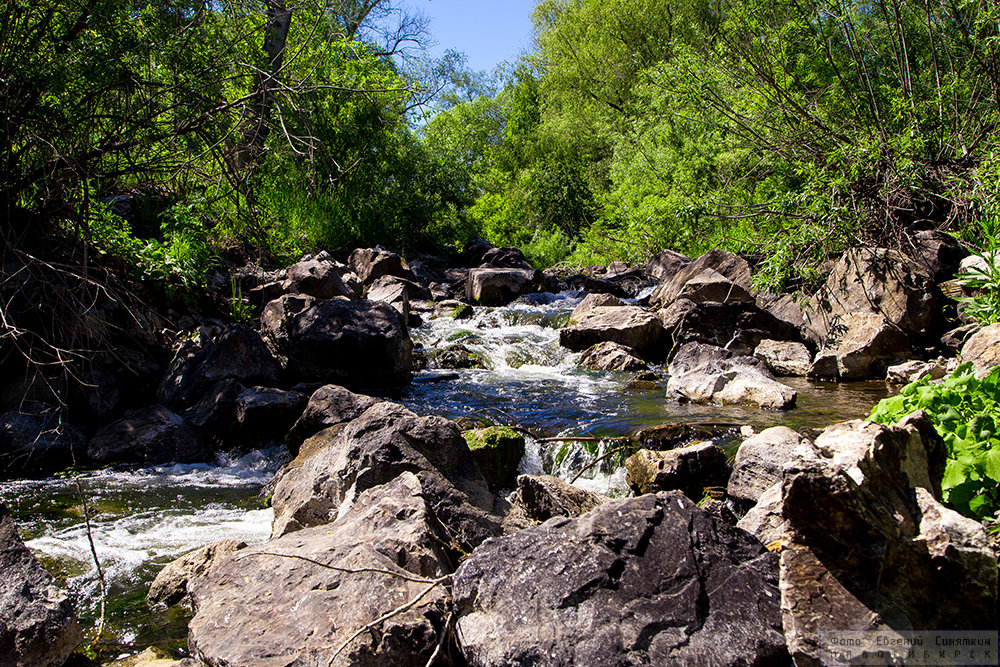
143 518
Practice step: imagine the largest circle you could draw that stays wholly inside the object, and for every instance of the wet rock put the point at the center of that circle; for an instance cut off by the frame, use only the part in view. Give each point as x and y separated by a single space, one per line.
149 435
256 608
861 347
911 371
937 253
630 326
784 357
37 443
650 580
498 450
369 264
455 357
708 374
454 309
982 349
321 278
608 356
737 326
665 264
730 267
171 583
358 344
327 406
337 464
690 470
265 411
38 627
761 458
498 287
543 497
592 285
237 353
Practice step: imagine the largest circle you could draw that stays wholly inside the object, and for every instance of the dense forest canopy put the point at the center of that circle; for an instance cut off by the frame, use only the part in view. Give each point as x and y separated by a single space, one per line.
784 128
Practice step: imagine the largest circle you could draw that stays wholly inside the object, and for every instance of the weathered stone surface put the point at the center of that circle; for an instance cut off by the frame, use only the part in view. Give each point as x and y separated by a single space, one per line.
387 290
630 326
764 520
608 356
666 263
255 608
370 264
710 285
937 253
329 405
731 267
785 307
38 627
498 450
784 357
36 443
387 285
454 309
761 458
589 303
982 349
882 546
339 463
911 371
689 470
215 411
498 287
642 581
861 347
592 285
543 497
505 258
237 353
149 435
267 411
737 325
320 278
358 344
708 374
953 340
171 583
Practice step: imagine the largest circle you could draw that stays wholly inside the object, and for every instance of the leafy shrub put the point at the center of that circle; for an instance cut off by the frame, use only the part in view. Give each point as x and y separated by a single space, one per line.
984 279
965 411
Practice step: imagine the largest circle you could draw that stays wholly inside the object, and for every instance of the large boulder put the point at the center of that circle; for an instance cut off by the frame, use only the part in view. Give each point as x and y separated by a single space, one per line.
642 581
590 302
505 258
982 349
321 278
731 269
268 412
324 595
785 357
38 627
154 434
937 253
631 326
690 470
739 326
498 451
760 460
327 406
861 347
358 344
171 583
336 465
215 412
608 356
35 442
708 374
666 263
544 496
237 353
369 264
498 287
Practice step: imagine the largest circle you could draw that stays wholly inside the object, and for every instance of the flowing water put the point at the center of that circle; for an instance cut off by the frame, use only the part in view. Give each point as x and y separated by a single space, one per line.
142 518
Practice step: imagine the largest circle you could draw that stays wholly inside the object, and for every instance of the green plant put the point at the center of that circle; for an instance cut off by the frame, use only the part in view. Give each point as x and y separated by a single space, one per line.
983 279
965 411
239 307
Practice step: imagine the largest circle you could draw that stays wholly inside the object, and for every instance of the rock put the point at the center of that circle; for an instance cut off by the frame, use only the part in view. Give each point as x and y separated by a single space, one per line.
318 278
882 546
543 497
390 284
761 458
590 302
505 258
630 326
937 253
149 435
369 264
153 657
38 627
764 520
784 307
707 374
387 290
255 608
215 412
911 371
454 309
171 583
860 348
952 341
737 326
237 353
608 356
455 357
690 470
498 450
731 267
473 251
666 263
784 357
265 411
592 285
337 464
641 581
329 405
358 344
37 443
498 287
982 349
710 285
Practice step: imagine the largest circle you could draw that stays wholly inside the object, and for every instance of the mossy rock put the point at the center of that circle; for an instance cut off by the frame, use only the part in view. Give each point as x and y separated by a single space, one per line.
497 450
455 357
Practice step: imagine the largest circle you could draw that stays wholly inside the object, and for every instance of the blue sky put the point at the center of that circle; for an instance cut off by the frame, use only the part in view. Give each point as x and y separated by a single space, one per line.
487 31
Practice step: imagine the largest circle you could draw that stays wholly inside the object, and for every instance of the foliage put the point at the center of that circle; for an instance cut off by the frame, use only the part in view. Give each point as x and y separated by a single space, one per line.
965 411
983 279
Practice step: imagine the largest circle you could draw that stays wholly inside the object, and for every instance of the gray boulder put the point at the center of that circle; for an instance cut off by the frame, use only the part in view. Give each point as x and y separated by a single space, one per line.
608 356
149 435
861 347
171 583
784 357
215 411
690 470
913 370
301 598
369 264
631 326
269 412
38 627
237 353
708 374
543 497
498 286
641 581
505 258
665 264
321 278
937 253
358 344
737 325
590 302
761 458
329 405
982 349
731 268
